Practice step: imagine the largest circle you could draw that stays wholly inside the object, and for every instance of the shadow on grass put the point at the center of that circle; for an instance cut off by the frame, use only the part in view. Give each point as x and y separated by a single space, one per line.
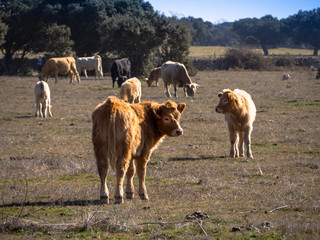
195 159
25 116
56 203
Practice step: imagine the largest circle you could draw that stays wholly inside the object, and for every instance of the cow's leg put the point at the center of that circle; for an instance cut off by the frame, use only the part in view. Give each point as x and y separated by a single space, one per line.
175 90
130 173
56 77
85 73
247 140
37 107
73 71
102 164
113 80
122 164
49 108
234 151
157 82
241 145
141 172
71 77
44 108
167 86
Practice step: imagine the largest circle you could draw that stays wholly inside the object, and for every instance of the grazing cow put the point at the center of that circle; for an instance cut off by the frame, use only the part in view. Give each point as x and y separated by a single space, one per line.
286 76
123 133
120 71
240 113
43 101
55 66
154 75
131 90
90 63
176 73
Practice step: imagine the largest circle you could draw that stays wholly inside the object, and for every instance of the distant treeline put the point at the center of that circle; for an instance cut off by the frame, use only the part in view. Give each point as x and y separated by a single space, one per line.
299 30
133 29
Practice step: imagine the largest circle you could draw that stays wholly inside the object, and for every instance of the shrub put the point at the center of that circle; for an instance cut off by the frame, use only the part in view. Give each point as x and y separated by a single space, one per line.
245 58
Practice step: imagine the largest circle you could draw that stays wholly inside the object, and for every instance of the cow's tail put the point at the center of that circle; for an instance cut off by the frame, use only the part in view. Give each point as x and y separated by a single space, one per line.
112 136
42 95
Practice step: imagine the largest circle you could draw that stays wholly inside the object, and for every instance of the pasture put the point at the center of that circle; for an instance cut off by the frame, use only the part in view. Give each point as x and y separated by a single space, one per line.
49 185
219 51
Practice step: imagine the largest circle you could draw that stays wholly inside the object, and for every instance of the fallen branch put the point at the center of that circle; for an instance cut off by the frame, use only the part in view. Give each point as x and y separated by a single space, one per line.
285 206
200 225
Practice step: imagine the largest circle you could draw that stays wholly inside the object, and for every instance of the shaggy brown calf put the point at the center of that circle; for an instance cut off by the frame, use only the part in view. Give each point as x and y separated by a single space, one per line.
240 113
123 133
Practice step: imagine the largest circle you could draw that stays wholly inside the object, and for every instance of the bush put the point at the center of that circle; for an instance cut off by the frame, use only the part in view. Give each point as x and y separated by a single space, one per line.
245 58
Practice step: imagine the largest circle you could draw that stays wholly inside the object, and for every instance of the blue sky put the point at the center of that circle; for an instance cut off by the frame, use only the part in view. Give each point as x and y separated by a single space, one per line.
218 11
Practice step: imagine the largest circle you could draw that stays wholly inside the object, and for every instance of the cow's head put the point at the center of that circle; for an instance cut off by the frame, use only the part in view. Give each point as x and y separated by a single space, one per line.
41 76
121 80
149 80
191 89
228 101
168 118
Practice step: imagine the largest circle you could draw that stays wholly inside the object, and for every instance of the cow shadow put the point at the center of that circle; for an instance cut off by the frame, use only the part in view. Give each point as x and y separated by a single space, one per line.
194 159
55 203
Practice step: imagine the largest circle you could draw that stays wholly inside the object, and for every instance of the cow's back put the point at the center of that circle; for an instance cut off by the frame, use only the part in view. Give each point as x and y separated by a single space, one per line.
174 72
115 126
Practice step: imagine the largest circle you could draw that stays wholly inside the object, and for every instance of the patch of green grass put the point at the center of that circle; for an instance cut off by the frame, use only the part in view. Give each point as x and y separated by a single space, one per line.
100 88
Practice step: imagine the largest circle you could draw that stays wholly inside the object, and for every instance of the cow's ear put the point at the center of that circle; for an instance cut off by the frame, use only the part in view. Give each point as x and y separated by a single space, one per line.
220 94
157 111
181 107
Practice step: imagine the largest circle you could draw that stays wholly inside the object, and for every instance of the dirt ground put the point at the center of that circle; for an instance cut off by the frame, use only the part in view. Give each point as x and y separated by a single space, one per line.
49 185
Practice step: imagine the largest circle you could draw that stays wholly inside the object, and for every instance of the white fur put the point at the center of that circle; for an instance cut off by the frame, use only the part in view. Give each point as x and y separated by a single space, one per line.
43 100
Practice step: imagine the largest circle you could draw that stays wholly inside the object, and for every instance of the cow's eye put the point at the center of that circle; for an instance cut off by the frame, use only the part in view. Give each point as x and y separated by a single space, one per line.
225 100
167 119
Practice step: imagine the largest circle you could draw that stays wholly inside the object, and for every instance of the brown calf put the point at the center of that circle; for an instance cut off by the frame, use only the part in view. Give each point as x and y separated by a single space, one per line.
62 65
154 75
123 133
240 113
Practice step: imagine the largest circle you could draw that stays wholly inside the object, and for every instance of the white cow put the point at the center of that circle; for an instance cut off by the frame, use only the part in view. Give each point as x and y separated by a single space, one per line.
131 90
43 100
90 63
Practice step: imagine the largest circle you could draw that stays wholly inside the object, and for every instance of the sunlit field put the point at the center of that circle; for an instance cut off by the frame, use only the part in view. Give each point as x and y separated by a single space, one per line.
218 51
49 185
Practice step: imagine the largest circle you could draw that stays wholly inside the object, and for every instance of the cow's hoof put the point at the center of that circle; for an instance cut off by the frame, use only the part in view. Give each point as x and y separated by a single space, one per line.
118 200
130 195
104 199
144 197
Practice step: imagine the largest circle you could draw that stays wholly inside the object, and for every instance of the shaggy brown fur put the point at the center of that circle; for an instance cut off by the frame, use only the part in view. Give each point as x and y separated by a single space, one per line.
123 133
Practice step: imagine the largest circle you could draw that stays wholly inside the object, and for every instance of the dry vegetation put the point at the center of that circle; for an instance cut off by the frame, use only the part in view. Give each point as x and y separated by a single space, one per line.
49 185
218 51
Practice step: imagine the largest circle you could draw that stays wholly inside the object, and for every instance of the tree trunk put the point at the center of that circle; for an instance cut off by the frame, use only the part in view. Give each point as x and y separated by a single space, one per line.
315 51
265 49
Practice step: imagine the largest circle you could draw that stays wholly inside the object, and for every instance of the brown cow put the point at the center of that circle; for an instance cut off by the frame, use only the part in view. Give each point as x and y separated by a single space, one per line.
123 133
154 75
240 113
55 66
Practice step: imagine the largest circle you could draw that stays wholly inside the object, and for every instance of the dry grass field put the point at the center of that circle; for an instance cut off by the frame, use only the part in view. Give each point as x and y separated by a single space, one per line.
49 185
218 51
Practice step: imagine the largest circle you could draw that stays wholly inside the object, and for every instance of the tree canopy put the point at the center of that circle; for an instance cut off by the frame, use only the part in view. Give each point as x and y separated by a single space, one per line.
264 31
304 28
125 28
